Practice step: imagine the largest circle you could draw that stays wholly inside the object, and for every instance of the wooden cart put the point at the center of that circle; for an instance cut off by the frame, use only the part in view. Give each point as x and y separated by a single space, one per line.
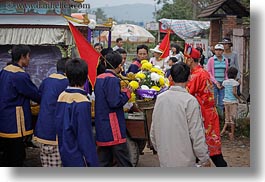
138 130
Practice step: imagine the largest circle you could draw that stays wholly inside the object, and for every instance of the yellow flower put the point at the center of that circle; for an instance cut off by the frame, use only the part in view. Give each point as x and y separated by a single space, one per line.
160 72
134 84
156 88
161 81
133 98
154 70
144 61
147 66
140 75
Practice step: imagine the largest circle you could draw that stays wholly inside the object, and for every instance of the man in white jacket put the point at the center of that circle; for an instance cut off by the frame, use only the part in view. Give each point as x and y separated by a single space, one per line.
177 131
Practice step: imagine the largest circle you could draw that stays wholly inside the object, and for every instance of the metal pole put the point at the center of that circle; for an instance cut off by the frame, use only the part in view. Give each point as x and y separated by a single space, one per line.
89 35
109 39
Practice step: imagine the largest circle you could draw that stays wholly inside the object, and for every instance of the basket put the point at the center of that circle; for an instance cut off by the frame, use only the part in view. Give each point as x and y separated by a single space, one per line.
144 105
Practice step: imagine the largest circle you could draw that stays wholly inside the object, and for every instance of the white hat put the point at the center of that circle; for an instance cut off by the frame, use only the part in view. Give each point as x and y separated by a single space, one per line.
219 46
156 49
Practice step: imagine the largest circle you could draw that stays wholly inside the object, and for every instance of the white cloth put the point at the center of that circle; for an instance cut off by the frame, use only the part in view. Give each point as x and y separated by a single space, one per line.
115 48
35 36
177 131
179 56
162 63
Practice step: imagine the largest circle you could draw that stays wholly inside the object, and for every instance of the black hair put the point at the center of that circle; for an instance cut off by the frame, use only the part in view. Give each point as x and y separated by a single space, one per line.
98 44
118 39
202 56
173 59
105 51
177 47
18 51
60 65
121 51
101 66
76 72
142 46
114 58
180 72
232 72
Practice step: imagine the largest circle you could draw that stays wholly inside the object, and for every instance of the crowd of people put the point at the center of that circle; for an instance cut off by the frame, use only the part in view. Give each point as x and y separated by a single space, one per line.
185 128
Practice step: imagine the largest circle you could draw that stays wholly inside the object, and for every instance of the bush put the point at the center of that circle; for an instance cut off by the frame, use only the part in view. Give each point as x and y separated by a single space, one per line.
243 127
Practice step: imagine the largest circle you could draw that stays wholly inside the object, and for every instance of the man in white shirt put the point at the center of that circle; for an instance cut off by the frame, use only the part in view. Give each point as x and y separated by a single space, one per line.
177 131
119 44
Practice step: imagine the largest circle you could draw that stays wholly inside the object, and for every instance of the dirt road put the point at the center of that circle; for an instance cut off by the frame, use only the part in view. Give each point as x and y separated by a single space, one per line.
236 153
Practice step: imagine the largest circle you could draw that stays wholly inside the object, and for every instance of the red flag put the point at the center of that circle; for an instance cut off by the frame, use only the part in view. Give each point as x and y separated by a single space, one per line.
87 53
164 46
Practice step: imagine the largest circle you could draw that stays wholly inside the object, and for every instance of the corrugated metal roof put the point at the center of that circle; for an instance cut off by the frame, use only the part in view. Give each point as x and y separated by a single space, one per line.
34 20
219 8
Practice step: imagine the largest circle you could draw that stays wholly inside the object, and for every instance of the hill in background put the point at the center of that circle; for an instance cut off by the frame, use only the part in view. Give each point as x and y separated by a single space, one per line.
131 12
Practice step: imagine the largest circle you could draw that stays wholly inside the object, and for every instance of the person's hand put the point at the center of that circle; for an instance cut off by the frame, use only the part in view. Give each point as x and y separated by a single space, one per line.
130 88
239 81
219 86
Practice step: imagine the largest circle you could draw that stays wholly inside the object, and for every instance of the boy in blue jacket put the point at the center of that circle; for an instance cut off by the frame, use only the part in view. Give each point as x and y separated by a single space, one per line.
45 131
109 115
73 120
16 91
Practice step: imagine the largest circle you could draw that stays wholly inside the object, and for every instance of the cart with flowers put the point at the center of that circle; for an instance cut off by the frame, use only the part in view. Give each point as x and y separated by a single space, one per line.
147 84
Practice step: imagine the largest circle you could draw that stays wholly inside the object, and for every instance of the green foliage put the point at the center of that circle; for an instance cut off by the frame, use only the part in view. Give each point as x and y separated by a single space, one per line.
181 9
186 9
243 127
178 10
100 14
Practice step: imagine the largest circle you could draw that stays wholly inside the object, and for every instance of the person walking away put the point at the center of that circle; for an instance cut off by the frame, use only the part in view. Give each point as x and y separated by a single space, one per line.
45 130
217 67
16 91
201 87
73 119
230 101
109 115
177 131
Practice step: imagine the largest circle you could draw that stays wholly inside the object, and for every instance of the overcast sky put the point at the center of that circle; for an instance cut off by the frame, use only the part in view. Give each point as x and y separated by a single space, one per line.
102 3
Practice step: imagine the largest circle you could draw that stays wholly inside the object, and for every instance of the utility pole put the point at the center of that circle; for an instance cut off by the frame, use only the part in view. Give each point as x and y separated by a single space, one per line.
156 20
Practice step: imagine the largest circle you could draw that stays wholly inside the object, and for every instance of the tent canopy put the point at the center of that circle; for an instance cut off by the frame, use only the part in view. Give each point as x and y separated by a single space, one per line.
185 28
129 33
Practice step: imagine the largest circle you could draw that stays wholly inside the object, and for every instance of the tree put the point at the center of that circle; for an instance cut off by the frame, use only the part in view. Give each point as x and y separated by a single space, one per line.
100 14
181 9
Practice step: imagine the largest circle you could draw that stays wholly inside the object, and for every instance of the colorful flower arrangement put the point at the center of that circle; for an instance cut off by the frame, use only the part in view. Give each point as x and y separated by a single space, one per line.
148 83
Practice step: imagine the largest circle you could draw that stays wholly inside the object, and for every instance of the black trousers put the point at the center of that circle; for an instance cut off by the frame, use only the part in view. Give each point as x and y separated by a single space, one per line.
13 152
119 153
218 160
